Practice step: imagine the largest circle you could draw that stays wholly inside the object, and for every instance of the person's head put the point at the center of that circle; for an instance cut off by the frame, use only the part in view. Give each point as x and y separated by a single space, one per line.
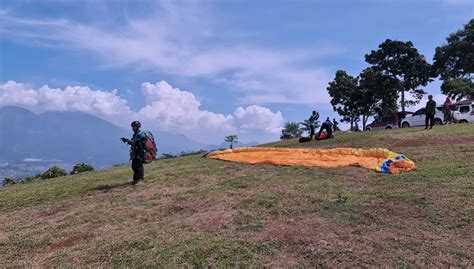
430 97
314 112
328 119
136 125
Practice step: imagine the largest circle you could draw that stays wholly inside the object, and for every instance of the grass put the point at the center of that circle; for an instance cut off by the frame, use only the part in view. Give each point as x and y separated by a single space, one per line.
198 212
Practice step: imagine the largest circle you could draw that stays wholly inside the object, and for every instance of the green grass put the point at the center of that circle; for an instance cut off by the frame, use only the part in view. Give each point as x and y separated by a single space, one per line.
198 212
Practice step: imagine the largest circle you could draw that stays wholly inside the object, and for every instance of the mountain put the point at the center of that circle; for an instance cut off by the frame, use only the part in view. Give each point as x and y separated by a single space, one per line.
73 137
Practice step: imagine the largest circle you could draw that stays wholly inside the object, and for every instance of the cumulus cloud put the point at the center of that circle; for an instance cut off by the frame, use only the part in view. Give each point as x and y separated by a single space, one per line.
166 109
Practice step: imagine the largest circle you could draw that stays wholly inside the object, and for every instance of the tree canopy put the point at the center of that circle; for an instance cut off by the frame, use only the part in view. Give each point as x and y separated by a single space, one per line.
343 91
454 63
291 130
231 139
402 62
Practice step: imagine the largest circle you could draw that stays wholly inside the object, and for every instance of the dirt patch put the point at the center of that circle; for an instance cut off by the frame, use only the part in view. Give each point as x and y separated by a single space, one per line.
430 142
68 242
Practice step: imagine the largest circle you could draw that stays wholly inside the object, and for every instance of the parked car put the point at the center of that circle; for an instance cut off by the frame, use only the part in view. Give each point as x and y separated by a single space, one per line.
418 118
382 123
464 111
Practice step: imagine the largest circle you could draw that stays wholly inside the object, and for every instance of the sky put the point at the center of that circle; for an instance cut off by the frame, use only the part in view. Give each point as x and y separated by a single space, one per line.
205 69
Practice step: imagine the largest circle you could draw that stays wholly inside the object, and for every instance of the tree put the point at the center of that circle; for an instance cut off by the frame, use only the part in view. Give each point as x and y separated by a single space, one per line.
375 95
343 90
454 63
291 130
80 168
231 139
402 62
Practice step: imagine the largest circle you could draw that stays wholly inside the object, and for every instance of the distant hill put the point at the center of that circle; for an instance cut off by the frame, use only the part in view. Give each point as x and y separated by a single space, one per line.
73 137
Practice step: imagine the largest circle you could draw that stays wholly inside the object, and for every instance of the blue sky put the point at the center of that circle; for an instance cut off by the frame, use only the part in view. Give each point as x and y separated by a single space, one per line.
204 69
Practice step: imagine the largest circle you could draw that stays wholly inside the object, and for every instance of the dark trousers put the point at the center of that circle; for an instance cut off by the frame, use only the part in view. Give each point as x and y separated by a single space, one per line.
429 119
447 115
138 170
326 127
312 131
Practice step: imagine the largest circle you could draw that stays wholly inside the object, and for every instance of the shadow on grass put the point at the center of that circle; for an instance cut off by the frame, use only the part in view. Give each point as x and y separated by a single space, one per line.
107 187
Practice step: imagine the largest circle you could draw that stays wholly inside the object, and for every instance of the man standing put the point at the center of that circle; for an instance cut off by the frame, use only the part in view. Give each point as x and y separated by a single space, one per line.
430 111
312 120
137 152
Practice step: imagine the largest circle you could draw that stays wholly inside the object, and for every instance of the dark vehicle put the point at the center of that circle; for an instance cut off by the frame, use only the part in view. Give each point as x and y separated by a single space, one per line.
382 123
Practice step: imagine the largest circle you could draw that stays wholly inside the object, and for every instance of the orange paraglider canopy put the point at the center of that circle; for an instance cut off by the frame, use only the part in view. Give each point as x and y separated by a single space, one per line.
378 159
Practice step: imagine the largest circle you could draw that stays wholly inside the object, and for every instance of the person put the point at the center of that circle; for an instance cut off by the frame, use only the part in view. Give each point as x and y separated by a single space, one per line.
447 110
327 125
334 122
430 111
312 120
137 152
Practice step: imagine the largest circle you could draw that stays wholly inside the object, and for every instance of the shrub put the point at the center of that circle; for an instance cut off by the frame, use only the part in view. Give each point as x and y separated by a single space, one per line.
80 168
53 172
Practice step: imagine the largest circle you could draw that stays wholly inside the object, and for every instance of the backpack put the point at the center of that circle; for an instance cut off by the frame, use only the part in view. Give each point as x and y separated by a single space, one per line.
150 147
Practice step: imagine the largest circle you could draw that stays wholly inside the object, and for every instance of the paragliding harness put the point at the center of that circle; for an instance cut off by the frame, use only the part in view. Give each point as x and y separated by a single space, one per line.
149 147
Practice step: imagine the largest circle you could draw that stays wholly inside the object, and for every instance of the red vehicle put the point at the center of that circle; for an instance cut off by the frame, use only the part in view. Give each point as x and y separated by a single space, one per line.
382 123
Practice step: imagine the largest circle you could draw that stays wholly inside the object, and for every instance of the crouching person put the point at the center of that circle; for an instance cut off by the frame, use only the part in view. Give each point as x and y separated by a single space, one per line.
137 152
327 126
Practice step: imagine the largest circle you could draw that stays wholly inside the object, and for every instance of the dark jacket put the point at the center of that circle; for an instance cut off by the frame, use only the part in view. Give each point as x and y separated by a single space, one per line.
313 118
430 107
137 149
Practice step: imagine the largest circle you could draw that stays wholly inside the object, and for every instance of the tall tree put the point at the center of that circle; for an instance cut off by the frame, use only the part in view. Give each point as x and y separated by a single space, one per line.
402 62
454 63
231 139
343 91
377 94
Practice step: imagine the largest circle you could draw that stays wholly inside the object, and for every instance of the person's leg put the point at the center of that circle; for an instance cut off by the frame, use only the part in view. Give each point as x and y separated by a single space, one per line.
323 126
141 170
136 169
427 118
329 131
432 120
312 132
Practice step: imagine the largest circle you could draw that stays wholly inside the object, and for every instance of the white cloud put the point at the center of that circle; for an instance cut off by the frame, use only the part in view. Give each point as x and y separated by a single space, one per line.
182 38
173 109
166 109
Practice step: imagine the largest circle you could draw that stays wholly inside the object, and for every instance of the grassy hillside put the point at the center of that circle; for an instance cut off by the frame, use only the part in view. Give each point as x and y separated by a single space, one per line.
197 212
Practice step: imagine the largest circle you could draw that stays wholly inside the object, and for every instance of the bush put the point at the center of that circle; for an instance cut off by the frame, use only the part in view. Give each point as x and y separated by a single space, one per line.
8 181
53 172
80 168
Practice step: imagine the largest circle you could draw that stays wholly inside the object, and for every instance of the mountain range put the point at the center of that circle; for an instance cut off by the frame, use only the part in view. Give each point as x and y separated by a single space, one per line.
76 137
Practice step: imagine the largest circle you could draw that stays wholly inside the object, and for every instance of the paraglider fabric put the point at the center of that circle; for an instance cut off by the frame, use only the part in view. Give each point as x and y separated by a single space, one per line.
378 159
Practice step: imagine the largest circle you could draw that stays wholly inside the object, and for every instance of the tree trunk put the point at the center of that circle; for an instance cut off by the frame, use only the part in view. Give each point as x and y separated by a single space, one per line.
403 101
364 121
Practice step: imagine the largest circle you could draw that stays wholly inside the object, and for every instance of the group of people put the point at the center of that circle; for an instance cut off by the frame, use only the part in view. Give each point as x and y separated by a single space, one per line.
430 111
327 126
